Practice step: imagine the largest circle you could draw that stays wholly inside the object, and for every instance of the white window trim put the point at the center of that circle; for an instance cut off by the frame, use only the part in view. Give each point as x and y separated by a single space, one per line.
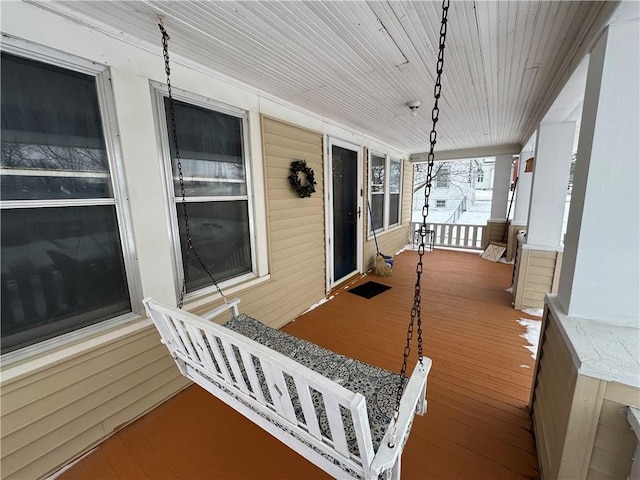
386 226
106 103
258 236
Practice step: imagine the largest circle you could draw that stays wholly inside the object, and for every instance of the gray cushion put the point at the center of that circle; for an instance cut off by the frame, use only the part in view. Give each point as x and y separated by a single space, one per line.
378 386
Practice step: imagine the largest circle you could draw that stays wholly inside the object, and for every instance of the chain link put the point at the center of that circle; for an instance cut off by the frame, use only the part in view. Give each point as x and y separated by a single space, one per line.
416 317
174 132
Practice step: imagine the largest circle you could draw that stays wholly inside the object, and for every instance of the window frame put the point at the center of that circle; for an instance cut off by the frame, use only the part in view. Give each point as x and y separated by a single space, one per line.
258 268
119 199
387 191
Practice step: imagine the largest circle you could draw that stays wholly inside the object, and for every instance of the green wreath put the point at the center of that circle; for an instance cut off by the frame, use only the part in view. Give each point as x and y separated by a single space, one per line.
305 189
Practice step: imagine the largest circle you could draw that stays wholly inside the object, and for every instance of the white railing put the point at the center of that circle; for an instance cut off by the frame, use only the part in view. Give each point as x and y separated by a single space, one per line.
455 235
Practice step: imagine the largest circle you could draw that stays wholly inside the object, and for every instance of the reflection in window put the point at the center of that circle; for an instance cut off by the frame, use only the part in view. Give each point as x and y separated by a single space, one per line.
62 269
213 167
377 190
62 262
395 172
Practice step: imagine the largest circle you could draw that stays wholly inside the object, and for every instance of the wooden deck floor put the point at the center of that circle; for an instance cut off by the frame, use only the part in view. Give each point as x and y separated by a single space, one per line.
477 424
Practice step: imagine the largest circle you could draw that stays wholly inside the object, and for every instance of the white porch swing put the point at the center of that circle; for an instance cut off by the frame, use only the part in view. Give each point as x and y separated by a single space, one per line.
350 419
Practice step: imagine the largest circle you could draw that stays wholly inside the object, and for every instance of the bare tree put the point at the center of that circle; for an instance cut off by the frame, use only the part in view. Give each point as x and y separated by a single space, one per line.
459 175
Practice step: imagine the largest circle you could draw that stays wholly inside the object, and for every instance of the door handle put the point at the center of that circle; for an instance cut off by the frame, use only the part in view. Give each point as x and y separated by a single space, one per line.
359 211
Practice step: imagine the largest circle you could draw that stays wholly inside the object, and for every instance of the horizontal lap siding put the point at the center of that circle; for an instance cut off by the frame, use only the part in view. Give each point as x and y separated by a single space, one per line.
580 422
615 442
51 415
552 399
295 228
537 275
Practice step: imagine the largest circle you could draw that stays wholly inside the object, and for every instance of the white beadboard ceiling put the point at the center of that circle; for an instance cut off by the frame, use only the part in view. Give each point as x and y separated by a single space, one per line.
359 63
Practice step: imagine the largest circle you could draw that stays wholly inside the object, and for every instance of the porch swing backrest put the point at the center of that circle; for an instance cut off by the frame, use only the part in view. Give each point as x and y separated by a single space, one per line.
316 416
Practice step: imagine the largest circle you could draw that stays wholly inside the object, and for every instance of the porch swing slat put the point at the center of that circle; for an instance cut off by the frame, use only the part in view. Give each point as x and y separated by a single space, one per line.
308 410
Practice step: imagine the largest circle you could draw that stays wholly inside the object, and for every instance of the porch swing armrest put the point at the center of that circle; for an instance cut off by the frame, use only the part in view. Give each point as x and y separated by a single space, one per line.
231 305
413 401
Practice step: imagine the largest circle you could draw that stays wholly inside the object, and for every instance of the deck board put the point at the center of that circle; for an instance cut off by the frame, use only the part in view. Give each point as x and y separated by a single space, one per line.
477 424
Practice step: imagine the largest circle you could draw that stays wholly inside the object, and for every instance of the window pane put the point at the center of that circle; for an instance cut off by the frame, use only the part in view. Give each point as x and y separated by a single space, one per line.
394 176
50 118
21 187
62 269
220 234
442 176
377 190
395 182
211 150
394 208
377 207
377 174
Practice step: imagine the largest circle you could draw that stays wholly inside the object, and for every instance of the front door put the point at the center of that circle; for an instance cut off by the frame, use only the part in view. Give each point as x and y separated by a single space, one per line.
345 225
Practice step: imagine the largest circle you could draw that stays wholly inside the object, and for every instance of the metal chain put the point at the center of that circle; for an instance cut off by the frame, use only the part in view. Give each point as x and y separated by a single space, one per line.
174 131
416 316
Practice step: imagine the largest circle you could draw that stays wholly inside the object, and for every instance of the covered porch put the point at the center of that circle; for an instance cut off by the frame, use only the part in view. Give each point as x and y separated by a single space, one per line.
477 425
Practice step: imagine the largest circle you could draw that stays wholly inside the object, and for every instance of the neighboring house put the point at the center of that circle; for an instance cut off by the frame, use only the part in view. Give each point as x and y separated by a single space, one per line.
484 169
452 192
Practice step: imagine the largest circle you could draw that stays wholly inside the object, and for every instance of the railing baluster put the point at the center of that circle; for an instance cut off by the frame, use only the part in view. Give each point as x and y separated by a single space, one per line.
457 235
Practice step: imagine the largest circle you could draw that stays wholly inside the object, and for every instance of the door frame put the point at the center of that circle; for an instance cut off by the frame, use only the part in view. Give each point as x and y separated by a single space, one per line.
328 198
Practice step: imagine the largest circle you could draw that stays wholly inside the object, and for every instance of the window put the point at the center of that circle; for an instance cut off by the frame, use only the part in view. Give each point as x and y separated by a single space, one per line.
442 176
395 181
385 182
214 166
377 190
441 203
63 265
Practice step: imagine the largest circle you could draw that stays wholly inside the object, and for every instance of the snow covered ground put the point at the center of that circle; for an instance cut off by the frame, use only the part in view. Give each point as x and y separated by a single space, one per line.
478 213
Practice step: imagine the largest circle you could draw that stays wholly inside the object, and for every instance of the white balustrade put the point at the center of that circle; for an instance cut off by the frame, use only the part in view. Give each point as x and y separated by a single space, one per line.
454 235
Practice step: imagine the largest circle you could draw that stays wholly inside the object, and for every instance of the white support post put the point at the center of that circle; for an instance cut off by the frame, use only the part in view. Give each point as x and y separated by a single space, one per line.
554 147
501 183
523 191
600 278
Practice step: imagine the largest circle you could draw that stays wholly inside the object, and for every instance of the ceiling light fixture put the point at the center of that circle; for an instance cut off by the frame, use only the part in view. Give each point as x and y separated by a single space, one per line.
414 105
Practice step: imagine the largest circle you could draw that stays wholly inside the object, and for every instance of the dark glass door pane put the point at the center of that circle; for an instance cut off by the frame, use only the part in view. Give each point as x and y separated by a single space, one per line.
345 205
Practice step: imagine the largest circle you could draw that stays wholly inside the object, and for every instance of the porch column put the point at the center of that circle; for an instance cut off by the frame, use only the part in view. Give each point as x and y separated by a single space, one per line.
541 254
600 278
521 201
554 147
501 181
589 366
523 191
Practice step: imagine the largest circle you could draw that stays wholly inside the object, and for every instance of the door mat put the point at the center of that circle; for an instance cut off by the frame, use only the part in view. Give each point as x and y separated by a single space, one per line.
369 290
